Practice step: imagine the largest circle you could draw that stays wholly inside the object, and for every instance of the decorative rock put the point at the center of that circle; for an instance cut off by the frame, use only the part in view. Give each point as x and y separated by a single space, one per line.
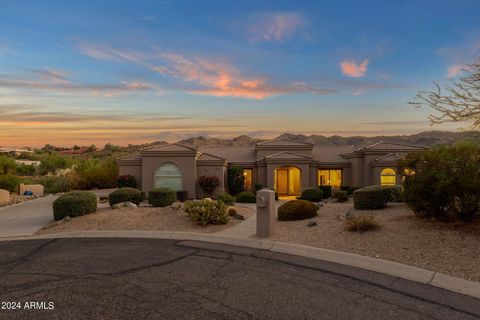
312 224
176 206
130 205
238 216
67 218
321 204
349 215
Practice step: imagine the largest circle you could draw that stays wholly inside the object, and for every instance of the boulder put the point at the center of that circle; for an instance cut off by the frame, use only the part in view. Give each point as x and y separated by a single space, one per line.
238 216
4 196
176 205
126 204
312 224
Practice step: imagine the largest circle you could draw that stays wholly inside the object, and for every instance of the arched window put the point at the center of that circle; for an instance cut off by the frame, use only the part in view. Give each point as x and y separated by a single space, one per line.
168 175
388 177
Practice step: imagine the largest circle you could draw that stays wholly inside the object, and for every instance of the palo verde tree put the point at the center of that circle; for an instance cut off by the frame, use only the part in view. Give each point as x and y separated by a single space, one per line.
457 102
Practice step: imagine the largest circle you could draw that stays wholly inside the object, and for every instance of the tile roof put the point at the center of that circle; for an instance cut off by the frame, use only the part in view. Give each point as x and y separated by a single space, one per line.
133 157
232 154
330 154
287 155
209 157
168 147
393 156
283 142
382 145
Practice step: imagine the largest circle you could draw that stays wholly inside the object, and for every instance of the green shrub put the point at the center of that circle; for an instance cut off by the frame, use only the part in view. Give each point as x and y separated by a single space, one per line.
297 210
312 194
341 195
232 212
246 197
349 189
7 164
56 184
235 180
327 191
395 193
25 170
258 187
74 204
370 198
182 195
361 223
162 197
443 182
227 199
51 163
9 182
206 212
124 195
208 184
126 181
95 173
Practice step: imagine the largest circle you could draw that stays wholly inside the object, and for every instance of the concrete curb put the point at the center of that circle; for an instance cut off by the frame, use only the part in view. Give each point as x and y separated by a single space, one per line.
395 269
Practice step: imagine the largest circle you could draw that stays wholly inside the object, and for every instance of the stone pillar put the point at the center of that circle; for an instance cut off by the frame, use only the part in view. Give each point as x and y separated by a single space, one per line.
266 213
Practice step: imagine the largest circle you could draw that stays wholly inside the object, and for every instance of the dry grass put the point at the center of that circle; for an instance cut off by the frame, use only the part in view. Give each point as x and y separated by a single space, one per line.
450 248
361 223
143 219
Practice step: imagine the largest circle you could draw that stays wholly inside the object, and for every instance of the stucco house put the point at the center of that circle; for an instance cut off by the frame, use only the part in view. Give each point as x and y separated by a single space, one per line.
286 166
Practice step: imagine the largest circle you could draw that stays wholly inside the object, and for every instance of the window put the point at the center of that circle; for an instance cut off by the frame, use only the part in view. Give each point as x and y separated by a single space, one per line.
168 176
388 177
248 174
330 177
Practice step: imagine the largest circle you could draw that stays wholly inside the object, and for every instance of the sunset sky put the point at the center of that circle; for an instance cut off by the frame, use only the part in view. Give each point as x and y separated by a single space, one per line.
83 72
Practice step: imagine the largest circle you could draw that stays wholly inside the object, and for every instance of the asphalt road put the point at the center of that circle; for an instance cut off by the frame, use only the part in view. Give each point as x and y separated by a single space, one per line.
109 278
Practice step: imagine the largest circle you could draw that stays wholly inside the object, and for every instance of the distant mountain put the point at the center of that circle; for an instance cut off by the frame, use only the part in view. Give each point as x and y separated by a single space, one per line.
427 138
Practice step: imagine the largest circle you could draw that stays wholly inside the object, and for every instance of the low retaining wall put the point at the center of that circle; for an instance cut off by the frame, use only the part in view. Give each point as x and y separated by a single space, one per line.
36 189
4 196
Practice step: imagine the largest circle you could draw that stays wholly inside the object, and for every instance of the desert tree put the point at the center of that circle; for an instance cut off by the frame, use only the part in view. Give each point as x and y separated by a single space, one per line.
459 101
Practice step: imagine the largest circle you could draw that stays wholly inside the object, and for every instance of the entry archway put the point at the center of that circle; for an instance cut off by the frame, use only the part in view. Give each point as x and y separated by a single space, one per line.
288 181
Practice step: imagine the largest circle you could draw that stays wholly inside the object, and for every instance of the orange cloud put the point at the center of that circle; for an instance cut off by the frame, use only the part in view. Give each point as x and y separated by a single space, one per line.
353 69
454 70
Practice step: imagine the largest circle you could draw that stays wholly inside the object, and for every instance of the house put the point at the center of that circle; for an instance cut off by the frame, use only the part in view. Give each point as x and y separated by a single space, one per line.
286 166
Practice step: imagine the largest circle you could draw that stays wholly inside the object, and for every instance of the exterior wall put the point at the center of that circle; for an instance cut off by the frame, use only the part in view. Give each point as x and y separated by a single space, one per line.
186 164
135 171
313 178
218 171
346 176
262 176
357 172
262 153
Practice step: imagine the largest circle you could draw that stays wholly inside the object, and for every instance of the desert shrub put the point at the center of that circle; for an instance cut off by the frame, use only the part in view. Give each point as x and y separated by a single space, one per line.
443 182
235 180
51 163
182 195
349 189
74 204
55 184
206 212
246 197
7 164
162 197
124 195
95 173
395 193
126 181
258 187
297 210
327 191
361 223
227 199
232 211
9 182
370 198
208 183
341 195
312 194
25 170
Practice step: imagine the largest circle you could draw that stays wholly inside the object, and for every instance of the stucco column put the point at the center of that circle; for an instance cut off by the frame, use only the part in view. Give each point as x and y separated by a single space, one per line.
266 213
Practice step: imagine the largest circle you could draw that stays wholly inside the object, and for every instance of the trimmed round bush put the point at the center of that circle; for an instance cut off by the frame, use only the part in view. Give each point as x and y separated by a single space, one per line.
246 197
395 193
370 198
124 195
327 191
232 211
226 198
162 197
297 210
341 195
312 194
126 181
182 195
73 204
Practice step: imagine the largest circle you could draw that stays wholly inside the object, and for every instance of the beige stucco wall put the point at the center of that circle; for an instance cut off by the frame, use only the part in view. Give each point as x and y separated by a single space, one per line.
218 171
262 153
313 179
135 171
4 196
36 189
186 164
262 175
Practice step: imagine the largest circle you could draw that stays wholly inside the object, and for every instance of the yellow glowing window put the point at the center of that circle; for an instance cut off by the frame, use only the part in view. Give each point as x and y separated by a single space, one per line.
248 174
388 177
330 177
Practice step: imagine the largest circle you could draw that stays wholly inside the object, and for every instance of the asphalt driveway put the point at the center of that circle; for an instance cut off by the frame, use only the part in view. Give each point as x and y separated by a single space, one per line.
105 278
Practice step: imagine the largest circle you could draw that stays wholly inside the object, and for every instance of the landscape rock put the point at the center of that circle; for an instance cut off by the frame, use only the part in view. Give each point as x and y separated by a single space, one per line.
127 204
320 204
312 224
176 206
67 218
238 216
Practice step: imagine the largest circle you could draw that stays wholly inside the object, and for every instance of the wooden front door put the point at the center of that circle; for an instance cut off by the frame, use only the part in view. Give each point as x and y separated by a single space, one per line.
282 182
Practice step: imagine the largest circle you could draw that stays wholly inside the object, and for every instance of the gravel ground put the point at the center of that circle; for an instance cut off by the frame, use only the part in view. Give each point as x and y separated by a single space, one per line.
450 248
142 218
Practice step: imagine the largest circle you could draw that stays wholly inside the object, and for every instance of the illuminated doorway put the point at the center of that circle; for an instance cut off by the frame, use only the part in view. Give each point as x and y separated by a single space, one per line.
287 181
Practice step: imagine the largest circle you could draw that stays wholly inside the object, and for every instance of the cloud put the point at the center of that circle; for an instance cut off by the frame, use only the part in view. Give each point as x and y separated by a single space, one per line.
454 70
272 26
354 69
108 53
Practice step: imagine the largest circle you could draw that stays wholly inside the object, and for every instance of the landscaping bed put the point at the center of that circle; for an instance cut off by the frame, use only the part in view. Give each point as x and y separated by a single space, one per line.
449 248
141 219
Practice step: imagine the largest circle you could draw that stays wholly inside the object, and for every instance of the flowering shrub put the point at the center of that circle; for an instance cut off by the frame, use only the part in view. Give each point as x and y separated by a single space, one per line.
208 183
126 181
206 211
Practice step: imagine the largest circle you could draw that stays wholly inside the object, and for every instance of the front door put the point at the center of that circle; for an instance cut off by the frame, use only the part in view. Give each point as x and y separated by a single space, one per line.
282 182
